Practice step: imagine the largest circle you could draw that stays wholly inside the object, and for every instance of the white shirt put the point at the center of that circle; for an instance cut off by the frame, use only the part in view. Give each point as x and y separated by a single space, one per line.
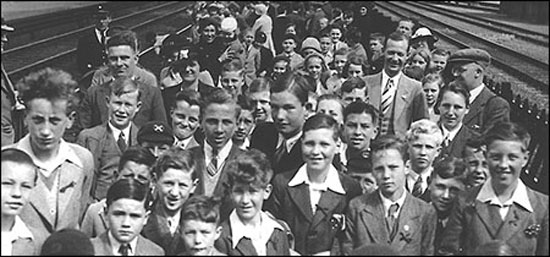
474 93
395 80
487 195
115 245
19 230
182 143
332 182
116 132
450 134
173 222
258 235
412 176
387 203
290 142
65 153
222 154
100 34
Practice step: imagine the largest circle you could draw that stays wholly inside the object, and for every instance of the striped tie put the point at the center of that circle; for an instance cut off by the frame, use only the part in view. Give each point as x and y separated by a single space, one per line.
417 187
385 105
121 142
213 166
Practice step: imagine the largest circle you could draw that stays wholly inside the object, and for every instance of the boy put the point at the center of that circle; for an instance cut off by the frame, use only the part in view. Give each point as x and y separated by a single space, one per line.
439 60
245 125
18 179
200 222
474 156
232 78
354 90
281 66
289 46
137 163
503 208
313 197
185 118
249 230
376 53
128 203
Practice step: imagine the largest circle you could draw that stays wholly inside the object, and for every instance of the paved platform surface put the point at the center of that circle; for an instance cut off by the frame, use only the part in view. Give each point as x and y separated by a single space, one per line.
22 9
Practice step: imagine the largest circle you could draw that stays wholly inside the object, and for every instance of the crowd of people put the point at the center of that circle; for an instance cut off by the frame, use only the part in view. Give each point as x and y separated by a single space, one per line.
276 128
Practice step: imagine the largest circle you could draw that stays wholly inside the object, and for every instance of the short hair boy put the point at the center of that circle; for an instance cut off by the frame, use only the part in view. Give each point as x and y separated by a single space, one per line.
200 222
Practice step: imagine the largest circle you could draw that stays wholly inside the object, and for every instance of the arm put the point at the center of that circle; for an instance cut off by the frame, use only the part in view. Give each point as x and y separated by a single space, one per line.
497 109
428 233
350 230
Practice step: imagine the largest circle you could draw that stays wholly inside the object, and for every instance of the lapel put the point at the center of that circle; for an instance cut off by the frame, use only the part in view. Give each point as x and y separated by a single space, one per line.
516 219
105 244
133 134
222 181
407 222
246 248
39 201
327 203
402 98
375 89
477 106
374 218
198 155
460 137
69 180
492 223
300 196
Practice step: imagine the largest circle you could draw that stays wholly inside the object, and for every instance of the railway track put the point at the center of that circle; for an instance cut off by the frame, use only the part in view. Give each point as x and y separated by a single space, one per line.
525 68
60 50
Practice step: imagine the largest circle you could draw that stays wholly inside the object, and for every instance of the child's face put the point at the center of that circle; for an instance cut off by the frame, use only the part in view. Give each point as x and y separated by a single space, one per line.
367 181
356 94
262 108
245 123
444 192
431 91
318 149
478 169
289 45
359 130
506 159
291 30
376 47
340 62
326 44
438 62
335 34
232 82
453 109
314 67
137 171
332 108
249 37
185 119
17 184
174 188
280 67
248 200
156 148
422 151
126 219
199 237
388 167
355 70
418 61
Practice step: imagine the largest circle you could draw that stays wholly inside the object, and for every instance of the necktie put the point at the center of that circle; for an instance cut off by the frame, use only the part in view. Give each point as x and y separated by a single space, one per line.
385 108
213 166
417 188
391 220
280 151
123 250
446 141
121 142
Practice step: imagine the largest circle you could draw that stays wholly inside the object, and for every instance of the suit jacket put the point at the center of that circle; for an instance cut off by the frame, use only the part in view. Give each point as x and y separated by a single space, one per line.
459 142
90 52
157 230
100 141
222 188
313 232
472 224
102 246
265 137
486 110
366 225
409 104
95 220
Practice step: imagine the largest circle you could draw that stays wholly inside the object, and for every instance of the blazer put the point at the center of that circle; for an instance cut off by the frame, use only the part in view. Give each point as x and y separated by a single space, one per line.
90 53
157 230
459 142
276 245
265 137
472 223
222 188
100 141
409 104
102 246
313 232
95 220
366 225
486 110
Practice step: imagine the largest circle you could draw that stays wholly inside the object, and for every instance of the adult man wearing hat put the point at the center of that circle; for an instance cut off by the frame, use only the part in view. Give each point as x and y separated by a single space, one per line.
12 109
90 52
468 67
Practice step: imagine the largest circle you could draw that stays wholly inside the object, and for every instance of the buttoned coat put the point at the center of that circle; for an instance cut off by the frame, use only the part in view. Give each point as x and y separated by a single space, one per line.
313 232
486 110
459 142
409 103
473 223
95 220
90 53
157 230
101 142
366 225
144 247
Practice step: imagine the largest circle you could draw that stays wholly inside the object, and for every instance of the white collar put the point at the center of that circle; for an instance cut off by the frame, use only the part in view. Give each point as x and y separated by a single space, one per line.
222 154
474 93
451 134
387 202
425 174
240 230
19 230
115 245
385 78
246 144
183 142
487 194
331 182
290 142
65 153
116 131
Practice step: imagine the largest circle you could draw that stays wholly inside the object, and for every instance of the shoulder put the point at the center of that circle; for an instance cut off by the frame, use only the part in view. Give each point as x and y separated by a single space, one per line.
351 185
147 76
148 247
93 132
538 200
283 178
80 151
359 201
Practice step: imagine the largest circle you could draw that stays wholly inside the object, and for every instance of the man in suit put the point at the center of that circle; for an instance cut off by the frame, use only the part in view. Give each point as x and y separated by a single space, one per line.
424 145
503 208
65 170
219 121
312 198
453 108
90 52
400 98
108 141
185 118
390 215
468 67
122 53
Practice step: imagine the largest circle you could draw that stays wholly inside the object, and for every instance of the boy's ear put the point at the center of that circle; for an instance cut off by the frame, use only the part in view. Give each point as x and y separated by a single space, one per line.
268 189
218 232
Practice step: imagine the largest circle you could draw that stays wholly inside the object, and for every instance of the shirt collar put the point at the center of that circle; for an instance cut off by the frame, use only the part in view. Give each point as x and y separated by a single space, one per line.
116 131
240 230
332 180
290 142
385 78
387 202
450 133
115 245
487 194
474 93
65 153
222 154
183 142
19 230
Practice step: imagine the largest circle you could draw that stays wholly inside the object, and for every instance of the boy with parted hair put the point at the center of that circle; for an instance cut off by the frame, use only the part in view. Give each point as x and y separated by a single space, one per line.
200 222
249 230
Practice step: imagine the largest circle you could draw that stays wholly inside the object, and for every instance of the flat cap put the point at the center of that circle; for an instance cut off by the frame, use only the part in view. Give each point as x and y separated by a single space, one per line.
312 43
469 55
155 132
